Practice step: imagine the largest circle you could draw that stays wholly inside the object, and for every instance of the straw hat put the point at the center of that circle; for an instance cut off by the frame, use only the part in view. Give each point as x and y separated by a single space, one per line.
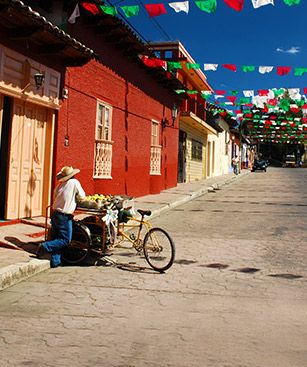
66 173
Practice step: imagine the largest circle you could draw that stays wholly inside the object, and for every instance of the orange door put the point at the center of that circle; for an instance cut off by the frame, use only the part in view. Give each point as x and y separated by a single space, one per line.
26 185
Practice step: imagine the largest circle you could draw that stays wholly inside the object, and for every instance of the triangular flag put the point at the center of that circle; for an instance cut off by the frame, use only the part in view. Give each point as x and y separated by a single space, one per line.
110 10
230 67
283 70
305 90
75 14
259 3
208 67
208 6
220 92
265 69
180 6
235 4
91 8
154 10
130 11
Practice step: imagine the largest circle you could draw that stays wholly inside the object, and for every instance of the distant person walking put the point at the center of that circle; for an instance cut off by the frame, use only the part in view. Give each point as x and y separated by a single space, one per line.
235 164
64 204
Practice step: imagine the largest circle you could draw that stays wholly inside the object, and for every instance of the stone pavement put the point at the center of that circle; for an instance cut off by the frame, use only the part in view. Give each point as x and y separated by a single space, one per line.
17 251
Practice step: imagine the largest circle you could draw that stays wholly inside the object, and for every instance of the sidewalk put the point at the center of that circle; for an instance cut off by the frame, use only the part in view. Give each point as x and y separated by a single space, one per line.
17 254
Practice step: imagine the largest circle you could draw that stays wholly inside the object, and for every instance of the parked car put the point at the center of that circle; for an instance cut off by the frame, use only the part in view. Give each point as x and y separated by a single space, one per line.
260 164
290 161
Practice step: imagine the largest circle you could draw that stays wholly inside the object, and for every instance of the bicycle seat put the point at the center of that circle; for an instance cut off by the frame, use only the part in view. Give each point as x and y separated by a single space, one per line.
144 212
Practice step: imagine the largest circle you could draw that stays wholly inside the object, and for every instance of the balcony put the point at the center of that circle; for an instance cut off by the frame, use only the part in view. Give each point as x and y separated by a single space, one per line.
194 113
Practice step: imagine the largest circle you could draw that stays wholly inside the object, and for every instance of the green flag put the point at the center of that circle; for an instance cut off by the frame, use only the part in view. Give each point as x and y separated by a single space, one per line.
192 91
206 96
130 11
192 66
300 71
208 6
278 92
244 100
173 65
180 91
247 68
111 10
292 2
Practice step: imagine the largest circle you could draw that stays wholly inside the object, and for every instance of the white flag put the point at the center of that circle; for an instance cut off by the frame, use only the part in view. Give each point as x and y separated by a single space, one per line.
210 67
75 14
294 93
248 93
259 3
180 6
265 69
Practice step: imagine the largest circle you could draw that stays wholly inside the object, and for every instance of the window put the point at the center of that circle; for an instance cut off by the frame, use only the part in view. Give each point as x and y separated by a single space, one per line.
103 142
197 150
155 149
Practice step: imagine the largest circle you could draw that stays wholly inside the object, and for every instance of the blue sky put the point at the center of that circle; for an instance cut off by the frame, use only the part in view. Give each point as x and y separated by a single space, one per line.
256 37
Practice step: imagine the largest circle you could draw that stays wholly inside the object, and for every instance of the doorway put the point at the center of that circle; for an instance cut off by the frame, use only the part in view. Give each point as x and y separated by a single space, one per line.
5 123
182 156
28 171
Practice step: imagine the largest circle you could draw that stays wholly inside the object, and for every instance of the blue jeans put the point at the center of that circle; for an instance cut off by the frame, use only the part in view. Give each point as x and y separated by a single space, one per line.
61 234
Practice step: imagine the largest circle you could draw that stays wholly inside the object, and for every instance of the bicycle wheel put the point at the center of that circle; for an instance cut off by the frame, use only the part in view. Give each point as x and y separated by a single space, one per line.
79 247
159 249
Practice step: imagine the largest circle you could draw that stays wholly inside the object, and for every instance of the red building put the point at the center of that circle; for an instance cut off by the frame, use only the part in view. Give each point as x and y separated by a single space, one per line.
110 124
99 108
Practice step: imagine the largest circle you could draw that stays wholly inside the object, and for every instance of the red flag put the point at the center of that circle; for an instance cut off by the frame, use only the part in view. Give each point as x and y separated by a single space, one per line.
263 92
220 92
305 90
154 62
294 109
272 102
231 99
223 114
283 70
91 8
235 4
155 10
230 67
265 108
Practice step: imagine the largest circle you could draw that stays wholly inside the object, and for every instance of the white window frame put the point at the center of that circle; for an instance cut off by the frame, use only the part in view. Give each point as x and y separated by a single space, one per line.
103 143
155 149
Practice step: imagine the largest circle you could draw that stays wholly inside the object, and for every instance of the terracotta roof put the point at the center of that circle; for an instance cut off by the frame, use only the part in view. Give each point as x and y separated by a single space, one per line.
19 22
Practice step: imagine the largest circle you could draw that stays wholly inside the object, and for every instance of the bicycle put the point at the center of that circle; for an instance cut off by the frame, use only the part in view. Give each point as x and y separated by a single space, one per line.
94 234
156 244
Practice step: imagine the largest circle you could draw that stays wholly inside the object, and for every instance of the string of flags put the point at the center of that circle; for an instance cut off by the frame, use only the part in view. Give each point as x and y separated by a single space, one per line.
154 10
155 62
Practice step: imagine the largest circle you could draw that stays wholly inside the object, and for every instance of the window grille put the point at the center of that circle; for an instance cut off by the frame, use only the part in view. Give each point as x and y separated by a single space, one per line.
155 149
103 142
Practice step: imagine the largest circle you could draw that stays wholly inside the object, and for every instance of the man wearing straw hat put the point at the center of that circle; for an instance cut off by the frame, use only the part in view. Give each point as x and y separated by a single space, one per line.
64 204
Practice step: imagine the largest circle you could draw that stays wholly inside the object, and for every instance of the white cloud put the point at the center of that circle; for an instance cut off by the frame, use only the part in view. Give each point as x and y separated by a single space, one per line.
291 50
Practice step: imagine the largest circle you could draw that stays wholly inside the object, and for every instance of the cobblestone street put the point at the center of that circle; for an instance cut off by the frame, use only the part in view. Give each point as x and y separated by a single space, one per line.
235 297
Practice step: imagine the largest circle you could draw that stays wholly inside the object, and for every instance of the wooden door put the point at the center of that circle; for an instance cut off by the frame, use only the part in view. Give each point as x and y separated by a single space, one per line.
26 169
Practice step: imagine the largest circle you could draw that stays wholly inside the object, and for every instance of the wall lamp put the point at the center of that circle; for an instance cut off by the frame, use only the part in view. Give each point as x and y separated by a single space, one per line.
165 122
39 79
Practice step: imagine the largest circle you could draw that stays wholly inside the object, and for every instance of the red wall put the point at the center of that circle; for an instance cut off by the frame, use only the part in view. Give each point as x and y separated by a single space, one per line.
134 105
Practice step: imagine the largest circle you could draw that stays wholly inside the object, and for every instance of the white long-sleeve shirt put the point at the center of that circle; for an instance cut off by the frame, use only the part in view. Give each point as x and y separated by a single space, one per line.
64 198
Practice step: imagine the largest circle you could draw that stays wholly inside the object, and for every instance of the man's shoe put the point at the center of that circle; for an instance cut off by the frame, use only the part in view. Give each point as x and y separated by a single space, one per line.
40 251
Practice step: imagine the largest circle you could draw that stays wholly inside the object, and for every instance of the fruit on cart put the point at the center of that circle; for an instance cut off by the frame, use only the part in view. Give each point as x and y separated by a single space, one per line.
101 201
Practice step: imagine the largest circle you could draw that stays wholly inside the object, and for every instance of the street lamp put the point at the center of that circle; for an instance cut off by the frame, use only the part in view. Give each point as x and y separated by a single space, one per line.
165 121
39 79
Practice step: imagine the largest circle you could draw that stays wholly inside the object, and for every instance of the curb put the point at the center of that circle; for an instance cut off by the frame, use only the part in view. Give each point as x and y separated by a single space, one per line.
14 274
